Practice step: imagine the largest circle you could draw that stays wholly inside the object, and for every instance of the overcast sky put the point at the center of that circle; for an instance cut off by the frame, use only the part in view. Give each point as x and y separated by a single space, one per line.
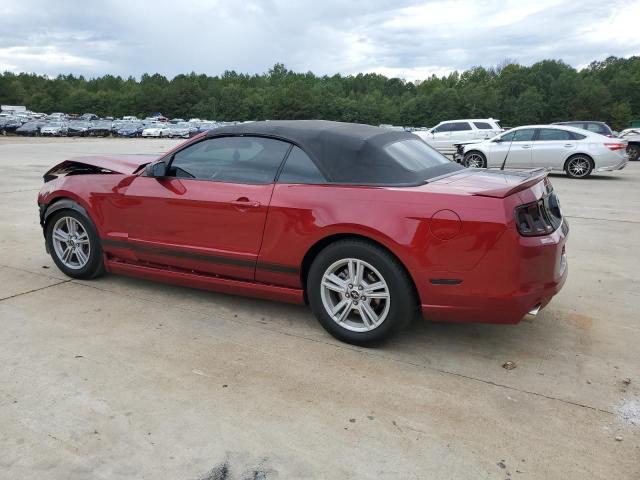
408 39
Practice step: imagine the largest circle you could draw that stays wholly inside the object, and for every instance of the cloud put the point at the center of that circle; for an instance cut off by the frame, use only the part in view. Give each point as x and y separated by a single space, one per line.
408 39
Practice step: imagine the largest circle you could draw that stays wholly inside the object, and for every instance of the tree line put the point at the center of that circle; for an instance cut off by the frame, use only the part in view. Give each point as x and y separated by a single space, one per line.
546 91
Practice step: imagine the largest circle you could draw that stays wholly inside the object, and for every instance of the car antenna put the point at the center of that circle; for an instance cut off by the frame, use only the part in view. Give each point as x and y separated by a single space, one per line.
504 162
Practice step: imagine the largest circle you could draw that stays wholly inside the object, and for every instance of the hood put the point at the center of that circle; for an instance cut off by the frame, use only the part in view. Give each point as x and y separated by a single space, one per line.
490 183
124 164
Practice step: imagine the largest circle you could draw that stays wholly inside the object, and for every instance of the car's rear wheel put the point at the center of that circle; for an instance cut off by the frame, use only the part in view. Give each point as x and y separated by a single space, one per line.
634 152
475 160
579 166
359 292
74 244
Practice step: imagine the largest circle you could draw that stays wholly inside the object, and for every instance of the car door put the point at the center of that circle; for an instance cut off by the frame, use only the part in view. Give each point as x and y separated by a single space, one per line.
461 132
513 146
208 214
441 137
551 147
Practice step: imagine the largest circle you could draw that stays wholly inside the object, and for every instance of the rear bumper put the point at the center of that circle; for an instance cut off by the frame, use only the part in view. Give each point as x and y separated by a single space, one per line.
618 166
505 287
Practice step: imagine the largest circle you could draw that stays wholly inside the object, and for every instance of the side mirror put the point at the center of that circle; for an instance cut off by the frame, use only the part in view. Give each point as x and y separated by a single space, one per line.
156 170
497 140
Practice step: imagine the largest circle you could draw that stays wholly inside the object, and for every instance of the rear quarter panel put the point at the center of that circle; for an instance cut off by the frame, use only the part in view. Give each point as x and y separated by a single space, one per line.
400 219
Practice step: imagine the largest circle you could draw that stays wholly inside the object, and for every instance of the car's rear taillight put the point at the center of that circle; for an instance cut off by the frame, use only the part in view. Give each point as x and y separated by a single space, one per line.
615 146
539 218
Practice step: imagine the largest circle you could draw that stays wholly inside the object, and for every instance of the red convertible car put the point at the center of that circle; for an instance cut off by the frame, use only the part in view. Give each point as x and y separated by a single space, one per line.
364 224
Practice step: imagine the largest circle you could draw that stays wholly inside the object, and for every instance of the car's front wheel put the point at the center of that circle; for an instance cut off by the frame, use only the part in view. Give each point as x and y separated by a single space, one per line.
74 245
579 166
474 160
359 292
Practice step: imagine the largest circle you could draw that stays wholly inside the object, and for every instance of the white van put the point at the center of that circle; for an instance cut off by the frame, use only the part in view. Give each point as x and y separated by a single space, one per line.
446 134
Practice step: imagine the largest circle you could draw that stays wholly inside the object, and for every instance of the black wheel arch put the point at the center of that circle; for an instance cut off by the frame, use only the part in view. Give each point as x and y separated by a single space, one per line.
321 244
60 203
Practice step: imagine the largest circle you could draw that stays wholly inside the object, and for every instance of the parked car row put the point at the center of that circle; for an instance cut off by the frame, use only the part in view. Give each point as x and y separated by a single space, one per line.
577 148
90 125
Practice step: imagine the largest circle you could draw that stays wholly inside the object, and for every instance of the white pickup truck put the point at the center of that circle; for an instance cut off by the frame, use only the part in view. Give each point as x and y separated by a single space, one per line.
445 135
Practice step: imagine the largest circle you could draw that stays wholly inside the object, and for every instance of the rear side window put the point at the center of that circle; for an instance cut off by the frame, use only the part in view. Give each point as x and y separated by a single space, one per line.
460 126
598 128
554 134
299 168
252 160
483 126
414 156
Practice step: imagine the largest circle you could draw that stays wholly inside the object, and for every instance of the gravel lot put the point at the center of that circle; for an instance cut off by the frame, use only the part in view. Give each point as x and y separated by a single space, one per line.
123 378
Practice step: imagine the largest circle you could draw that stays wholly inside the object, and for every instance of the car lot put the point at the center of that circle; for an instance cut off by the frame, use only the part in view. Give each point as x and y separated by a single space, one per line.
123 378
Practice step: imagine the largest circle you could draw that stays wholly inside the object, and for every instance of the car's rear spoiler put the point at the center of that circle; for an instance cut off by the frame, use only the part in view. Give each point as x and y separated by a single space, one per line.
530 178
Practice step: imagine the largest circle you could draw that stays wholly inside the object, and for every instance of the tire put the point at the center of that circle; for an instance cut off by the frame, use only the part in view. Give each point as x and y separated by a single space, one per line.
74 266
392 313
474 159
579 166
634 152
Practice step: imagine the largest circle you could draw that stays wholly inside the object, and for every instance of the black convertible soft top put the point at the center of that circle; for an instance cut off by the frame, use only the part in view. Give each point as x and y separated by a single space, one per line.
350 152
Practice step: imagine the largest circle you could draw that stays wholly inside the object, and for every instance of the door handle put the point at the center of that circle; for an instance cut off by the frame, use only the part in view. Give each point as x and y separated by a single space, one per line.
569 145
244 202
525 146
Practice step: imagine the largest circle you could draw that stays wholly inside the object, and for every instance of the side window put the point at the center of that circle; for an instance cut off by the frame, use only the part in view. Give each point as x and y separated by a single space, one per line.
524 135
299 168
445 127
598 128
231 159
460 126
554 134
578 136
482 126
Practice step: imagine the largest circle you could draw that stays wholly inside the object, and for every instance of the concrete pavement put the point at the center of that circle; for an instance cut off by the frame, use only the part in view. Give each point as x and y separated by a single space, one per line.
124 378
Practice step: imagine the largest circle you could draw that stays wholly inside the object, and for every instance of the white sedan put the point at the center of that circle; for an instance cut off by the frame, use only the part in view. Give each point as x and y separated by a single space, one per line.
156 131
575 151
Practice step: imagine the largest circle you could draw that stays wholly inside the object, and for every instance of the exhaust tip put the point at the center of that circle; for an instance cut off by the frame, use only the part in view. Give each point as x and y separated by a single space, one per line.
534 311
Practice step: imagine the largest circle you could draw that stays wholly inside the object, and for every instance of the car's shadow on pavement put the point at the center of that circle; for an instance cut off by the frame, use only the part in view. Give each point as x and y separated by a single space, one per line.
595 177
423 342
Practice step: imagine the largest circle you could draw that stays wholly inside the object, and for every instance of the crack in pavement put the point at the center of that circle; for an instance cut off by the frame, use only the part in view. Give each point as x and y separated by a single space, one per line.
18 191
621 220
34 290
39 274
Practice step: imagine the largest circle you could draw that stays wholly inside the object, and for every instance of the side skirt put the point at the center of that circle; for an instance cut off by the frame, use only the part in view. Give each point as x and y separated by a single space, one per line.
206 282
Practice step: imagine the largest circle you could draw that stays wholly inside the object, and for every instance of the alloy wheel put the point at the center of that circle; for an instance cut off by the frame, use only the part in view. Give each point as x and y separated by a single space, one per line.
475 160
355 295
71 243
579 167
